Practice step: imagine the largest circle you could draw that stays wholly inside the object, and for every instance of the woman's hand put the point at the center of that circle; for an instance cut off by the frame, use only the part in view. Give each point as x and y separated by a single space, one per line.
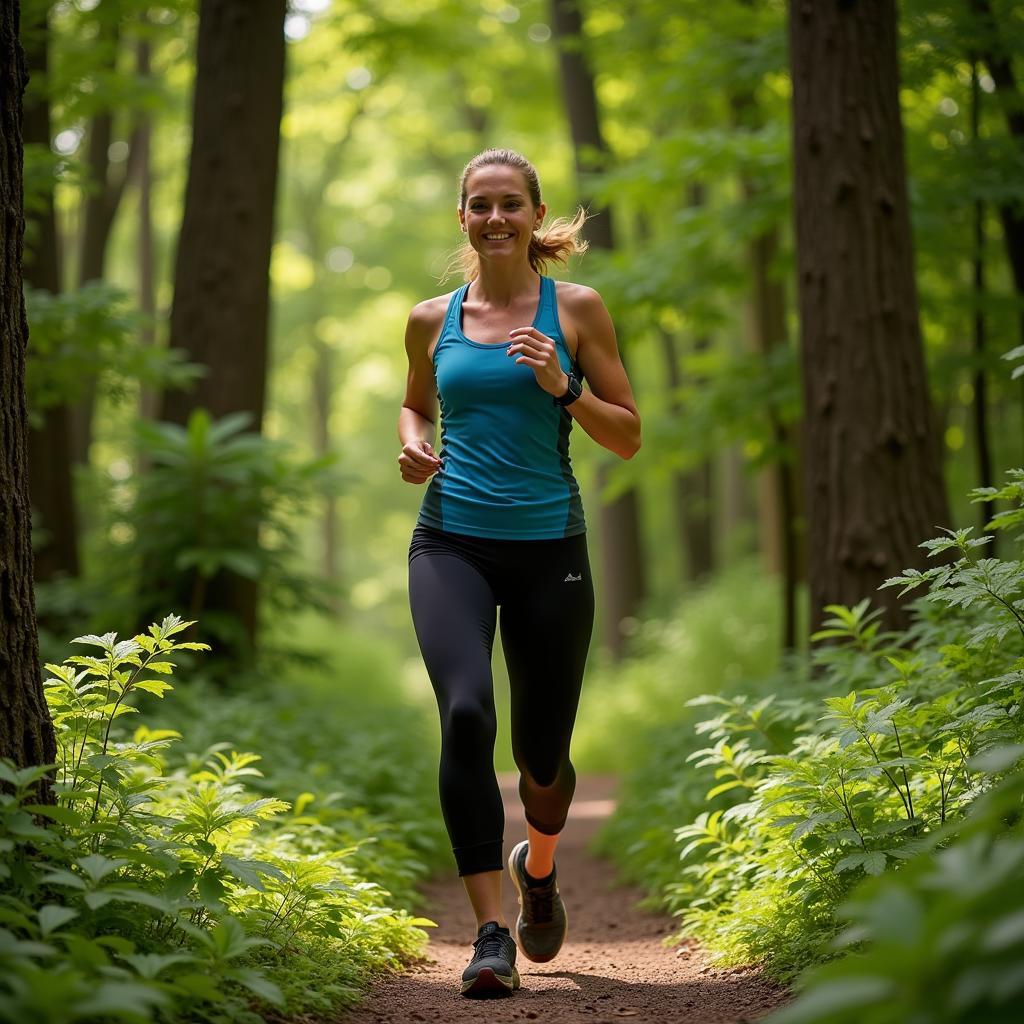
538 351
418 462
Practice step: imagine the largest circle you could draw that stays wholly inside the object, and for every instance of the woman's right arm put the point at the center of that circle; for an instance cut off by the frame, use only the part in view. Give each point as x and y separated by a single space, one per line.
418 415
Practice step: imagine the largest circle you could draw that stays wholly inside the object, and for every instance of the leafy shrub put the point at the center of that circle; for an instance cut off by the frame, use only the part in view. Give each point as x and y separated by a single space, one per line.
850 774
180 893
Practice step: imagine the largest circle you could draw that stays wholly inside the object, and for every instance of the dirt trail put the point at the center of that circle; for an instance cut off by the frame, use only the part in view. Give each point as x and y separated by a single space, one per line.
612 965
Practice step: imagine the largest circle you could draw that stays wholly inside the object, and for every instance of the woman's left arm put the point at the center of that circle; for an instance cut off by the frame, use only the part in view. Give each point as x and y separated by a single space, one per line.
607 412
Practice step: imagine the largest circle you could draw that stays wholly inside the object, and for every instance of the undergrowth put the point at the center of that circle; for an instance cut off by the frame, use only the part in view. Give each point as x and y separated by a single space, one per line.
169 885
768 819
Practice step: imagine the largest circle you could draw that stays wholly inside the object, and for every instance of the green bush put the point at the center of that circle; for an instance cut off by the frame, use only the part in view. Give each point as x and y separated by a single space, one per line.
181 893
793 800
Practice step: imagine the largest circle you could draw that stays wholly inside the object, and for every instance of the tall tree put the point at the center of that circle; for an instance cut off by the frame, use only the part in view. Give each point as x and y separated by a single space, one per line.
767 331
26 731
621 548
993 49
105 186
221 290
982 448
874 487
49 444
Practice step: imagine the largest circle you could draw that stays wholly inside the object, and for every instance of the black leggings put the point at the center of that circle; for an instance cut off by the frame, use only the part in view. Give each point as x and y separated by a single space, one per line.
546 595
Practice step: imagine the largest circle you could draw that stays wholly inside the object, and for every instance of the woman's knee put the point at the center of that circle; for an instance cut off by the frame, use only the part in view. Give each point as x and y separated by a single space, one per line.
469 721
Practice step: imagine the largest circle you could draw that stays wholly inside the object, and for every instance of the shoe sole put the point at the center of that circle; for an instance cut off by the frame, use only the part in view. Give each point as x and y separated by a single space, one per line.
487 983
543 959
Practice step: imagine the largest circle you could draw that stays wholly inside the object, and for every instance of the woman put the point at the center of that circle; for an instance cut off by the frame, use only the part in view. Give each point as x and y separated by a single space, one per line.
501 523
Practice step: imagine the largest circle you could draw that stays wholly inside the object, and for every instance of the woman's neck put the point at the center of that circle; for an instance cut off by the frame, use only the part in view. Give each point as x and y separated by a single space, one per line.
501 285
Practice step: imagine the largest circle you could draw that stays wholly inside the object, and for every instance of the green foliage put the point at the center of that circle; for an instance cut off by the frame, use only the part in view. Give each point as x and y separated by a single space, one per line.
148 891
89 336
721 634
864 764
217 497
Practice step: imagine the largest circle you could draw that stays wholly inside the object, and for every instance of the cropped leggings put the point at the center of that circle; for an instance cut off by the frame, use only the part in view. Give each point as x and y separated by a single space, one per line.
544 588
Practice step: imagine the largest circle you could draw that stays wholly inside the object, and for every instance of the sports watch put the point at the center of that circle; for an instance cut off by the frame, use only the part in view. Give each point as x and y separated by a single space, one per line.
574 391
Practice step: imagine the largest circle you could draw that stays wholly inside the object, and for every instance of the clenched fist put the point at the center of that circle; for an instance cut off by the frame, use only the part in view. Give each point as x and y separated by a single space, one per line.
418 462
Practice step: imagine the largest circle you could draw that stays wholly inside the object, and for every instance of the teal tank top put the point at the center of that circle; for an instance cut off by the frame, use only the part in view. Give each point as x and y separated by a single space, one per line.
505 470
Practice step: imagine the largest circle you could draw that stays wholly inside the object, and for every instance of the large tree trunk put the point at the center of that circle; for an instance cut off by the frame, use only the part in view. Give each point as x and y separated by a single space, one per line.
49 446
874 488
625 584
26 731
221 288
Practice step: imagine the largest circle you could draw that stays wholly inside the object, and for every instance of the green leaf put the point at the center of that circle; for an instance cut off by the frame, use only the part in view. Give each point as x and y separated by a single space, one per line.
996 759
257 983
51 916
834 997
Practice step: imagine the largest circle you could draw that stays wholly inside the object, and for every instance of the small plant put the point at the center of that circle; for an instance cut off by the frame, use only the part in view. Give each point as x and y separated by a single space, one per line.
866 764
148 891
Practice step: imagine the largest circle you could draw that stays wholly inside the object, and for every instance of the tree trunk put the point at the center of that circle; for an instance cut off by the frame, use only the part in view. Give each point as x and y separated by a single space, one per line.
26 730
983 453
142 146
99 208
874 488
766 312
1000 66
221 287
691 489
625 584
49 446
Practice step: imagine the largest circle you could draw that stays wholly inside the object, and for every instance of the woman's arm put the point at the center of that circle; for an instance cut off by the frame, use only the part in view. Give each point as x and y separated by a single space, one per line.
607 412
418 415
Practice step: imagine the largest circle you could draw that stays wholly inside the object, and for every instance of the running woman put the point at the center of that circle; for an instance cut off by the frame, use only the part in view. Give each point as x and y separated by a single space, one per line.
501 524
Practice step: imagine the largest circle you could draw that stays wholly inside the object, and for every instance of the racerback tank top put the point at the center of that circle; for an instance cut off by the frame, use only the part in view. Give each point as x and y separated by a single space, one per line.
505 469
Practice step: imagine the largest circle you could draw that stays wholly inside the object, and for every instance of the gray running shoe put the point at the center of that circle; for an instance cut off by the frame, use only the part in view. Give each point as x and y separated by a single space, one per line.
492 971
542 923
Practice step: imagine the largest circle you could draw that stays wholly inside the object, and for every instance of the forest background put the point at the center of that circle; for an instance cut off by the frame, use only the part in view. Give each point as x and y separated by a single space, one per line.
279 521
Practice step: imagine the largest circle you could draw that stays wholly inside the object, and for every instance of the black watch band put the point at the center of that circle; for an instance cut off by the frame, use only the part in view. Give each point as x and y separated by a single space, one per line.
574 391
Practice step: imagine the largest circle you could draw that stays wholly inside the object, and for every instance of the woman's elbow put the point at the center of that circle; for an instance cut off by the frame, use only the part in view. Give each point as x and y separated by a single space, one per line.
634 445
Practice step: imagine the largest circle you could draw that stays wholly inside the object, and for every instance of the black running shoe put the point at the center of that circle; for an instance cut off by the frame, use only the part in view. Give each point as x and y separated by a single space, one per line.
492 971
542 923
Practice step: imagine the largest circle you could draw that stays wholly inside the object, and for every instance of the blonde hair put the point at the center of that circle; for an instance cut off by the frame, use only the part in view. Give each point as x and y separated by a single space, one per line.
554 243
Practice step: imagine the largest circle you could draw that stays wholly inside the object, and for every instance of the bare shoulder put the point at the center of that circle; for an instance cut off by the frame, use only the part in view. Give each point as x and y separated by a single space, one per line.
429 313
425 320
585 319
579 299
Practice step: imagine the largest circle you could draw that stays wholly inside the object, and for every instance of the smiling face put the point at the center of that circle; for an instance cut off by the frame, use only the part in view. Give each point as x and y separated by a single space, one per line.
498 215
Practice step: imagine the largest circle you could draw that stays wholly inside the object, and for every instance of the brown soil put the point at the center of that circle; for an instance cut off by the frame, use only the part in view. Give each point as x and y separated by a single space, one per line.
612 966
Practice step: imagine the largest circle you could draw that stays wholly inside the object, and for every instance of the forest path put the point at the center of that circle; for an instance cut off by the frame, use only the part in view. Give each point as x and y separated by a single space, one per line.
612 966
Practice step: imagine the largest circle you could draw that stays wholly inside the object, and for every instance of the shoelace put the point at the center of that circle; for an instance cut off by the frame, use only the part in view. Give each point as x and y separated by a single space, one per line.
541 903
490 944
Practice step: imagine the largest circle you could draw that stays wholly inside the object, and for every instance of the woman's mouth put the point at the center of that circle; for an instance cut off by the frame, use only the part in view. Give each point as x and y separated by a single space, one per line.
497 236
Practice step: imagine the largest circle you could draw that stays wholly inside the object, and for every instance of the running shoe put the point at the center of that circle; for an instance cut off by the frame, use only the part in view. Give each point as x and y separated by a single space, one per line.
542 923
492 971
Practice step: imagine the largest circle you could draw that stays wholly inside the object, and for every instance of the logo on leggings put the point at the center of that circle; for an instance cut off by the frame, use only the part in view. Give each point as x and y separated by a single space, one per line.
573 579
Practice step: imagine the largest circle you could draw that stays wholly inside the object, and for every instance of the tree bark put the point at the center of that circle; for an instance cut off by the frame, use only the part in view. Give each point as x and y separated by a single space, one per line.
99 208
49 446
26 730
142 145
1000 66
221 287
982 449
625 584
874 488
